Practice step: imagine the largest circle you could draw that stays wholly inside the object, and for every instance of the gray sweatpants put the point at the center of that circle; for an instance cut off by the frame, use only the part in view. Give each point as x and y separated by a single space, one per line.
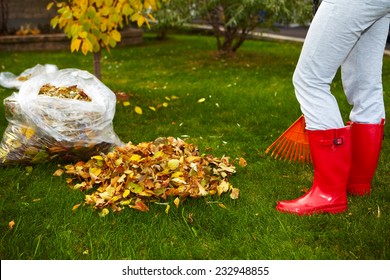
351 34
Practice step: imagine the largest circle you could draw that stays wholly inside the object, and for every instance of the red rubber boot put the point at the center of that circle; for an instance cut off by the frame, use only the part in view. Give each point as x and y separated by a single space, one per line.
331 154
366 146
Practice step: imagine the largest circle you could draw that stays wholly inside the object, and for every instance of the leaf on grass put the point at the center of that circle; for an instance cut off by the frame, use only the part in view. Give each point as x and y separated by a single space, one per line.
242 162
104 212
76 206
58 172
138 110
167 209
11 225
29 169
235 193
152 108
177 202
222 205
201 100
126 103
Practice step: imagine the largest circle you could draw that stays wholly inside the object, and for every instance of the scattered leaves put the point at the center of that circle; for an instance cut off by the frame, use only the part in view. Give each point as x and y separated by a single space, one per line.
133 175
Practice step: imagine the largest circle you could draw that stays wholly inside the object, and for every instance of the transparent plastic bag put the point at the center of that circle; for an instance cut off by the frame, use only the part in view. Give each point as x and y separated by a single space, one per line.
10 80
43 127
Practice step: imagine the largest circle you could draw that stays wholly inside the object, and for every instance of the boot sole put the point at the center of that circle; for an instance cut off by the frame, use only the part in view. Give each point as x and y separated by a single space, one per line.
314 210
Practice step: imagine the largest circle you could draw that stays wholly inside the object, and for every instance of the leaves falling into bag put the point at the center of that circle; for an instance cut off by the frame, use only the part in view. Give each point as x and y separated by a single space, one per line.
133 175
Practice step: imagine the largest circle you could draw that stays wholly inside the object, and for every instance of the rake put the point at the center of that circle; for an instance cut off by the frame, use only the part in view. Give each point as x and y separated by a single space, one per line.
293 144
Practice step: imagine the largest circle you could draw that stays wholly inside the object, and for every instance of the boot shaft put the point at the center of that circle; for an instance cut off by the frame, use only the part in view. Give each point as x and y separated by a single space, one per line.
366 146
331 153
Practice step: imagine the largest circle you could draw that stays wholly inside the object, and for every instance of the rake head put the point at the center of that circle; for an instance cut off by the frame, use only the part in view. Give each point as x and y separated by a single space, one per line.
293 144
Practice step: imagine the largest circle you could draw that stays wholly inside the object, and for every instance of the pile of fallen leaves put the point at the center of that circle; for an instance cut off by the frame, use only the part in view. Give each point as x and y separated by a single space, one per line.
133 175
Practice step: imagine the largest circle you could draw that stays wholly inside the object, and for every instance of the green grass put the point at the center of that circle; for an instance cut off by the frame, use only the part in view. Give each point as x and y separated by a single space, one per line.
249 102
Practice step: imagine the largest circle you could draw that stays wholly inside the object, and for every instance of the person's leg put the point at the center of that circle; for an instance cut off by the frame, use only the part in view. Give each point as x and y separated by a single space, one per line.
362 74
364 92
334 32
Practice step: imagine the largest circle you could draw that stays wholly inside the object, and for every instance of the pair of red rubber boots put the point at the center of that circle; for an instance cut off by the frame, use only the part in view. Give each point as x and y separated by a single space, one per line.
344 161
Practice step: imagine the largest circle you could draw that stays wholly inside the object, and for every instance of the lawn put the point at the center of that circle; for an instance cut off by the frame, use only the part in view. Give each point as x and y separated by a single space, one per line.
248 102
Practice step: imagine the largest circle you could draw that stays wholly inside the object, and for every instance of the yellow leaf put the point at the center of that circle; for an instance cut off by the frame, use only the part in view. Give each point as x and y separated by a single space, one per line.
48 7
152 108
116 35
30 132
58 172
126 103
86 46
76 206
177 174
11 224
242 162
135 157
29 169
176 202
83 34
140 21
167 209
125 202
95 171
104 212
223 187
201 100
165 104
173 164
126 193
235 193
135 188
138 110
222 205
202 191
75 45
97 158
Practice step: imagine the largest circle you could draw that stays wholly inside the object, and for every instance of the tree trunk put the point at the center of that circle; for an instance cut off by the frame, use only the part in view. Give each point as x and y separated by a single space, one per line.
4 16
96 64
